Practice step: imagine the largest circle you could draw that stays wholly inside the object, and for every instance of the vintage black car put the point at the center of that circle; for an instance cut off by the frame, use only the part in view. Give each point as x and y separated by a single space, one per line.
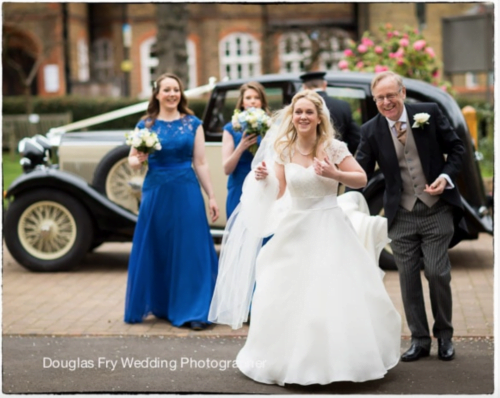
60 212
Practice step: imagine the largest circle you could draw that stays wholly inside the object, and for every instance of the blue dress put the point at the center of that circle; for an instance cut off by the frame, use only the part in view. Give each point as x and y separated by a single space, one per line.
236 178
173 264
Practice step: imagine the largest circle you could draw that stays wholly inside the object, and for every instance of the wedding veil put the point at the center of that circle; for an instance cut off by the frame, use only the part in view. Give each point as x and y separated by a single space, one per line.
256 217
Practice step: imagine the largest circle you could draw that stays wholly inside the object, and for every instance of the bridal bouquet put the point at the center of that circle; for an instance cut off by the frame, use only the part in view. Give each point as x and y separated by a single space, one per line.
144 140
253 121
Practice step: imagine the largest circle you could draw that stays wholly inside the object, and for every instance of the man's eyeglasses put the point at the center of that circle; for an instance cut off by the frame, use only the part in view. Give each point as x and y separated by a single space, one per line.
389 97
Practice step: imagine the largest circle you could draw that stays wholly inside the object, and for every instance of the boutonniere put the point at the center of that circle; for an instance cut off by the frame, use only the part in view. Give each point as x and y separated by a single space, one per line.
421 119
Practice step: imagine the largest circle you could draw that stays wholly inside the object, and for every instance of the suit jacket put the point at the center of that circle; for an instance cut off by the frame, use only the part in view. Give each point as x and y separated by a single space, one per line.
433 141
340 113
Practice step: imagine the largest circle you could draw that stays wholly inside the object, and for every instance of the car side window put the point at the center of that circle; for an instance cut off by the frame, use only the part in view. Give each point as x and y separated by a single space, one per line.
355 97
225 103
411 100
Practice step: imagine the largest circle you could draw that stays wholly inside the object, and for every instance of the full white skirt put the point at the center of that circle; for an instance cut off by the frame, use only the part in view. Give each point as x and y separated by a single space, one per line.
320 311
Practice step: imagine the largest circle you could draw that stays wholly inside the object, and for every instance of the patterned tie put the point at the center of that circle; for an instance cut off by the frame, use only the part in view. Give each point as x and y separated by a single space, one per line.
401 131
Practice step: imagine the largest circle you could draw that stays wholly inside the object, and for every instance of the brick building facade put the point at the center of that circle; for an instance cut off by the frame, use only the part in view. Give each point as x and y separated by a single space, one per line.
84 45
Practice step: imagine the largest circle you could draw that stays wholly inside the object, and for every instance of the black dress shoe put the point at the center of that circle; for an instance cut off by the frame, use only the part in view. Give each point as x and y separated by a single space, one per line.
195 325
415 353
446 352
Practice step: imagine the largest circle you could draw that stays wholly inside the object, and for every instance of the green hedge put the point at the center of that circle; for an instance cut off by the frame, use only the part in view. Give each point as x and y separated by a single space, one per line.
485 124
485 114
85 107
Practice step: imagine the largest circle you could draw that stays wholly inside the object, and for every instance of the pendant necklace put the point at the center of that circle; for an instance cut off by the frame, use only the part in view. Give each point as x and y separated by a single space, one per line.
299 151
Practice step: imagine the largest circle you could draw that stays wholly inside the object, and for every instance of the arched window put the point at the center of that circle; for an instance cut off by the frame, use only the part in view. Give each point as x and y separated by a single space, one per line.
149 63
102 60
239 56
329 60
192 69
294 48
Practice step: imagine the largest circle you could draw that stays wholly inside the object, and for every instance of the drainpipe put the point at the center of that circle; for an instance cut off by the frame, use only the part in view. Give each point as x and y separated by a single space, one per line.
66 45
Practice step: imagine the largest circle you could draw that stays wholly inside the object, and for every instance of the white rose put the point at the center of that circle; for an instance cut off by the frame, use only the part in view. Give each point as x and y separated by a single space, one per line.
235 122
157 146
136 142
420 119
150 141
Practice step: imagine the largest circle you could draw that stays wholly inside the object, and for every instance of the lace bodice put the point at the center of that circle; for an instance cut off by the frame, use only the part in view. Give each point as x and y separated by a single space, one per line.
173 161
176 138
303 182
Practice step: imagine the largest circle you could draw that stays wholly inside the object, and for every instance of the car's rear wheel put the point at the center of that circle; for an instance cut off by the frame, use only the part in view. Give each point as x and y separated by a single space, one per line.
115 178
376 205
47 230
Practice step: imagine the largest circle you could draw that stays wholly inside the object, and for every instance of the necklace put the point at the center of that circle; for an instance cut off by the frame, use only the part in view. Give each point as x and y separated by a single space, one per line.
299 151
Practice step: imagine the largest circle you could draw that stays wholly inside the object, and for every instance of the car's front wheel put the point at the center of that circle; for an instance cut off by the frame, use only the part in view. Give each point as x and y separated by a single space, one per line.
47 230
114 178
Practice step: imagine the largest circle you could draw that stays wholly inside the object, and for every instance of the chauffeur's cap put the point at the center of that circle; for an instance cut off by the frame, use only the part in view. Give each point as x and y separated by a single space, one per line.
306 77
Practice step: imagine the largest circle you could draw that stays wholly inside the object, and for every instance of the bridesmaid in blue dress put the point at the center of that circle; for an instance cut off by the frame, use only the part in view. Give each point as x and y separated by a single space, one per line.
236 159
173 263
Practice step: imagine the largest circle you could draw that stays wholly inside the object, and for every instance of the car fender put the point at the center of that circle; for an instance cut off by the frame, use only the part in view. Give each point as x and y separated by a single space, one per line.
107 215
476 222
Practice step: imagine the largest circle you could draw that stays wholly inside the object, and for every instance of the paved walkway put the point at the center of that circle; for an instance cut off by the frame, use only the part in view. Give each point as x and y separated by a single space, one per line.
90 299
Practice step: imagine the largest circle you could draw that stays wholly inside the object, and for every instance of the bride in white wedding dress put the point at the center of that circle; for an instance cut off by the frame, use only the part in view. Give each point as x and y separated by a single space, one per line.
320 311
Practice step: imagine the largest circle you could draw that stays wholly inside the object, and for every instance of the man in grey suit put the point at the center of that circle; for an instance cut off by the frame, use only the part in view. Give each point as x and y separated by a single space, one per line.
340 111
420 156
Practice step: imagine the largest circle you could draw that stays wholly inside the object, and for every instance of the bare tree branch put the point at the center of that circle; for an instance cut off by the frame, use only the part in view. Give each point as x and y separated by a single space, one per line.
14 36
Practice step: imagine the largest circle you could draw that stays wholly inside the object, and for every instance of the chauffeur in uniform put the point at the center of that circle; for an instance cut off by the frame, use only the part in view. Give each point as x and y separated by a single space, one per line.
340 111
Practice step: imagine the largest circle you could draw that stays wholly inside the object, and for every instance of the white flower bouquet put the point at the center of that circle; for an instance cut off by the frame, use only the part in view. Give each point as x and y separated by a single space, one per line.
253 121
144 140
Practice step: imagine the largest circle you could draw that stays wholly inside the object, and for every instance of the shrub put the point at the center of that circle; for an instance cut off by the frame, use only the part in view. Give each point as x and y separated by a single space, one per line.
85 107
405 53
485 114
485 124
486 148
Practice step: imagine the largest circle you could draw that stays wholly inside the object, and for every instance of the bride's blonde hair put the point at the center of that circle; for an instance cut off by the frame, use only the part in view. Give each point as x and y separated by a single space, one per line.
287 135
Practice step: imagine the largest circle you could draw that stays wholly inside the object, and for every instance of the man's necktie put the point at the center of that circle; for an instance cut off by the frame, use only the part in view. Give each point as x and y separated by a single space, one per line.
401 131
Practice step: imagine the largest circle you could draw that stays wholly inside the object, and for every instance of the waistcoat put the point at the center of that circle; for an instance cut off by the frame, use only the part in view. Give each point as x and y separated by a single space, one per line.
412 173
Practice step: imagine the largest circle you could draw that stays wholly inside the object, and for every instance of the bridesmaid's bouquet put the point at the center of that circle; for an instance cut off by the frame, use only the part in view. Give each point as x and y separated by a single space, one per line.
253 121
144 140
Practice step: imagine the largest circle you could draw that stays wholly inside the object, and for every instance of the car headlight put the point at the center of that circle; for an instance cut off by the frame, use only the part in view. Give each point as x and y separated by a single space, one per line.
45 143
32 153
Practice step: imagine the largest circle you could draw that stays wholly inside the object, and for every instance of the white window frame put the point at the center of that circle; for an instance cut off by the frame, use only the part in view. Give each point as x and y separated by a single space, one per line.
192 64
83 60
334 56
294 58
239 55
471 80
147 62
103 61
